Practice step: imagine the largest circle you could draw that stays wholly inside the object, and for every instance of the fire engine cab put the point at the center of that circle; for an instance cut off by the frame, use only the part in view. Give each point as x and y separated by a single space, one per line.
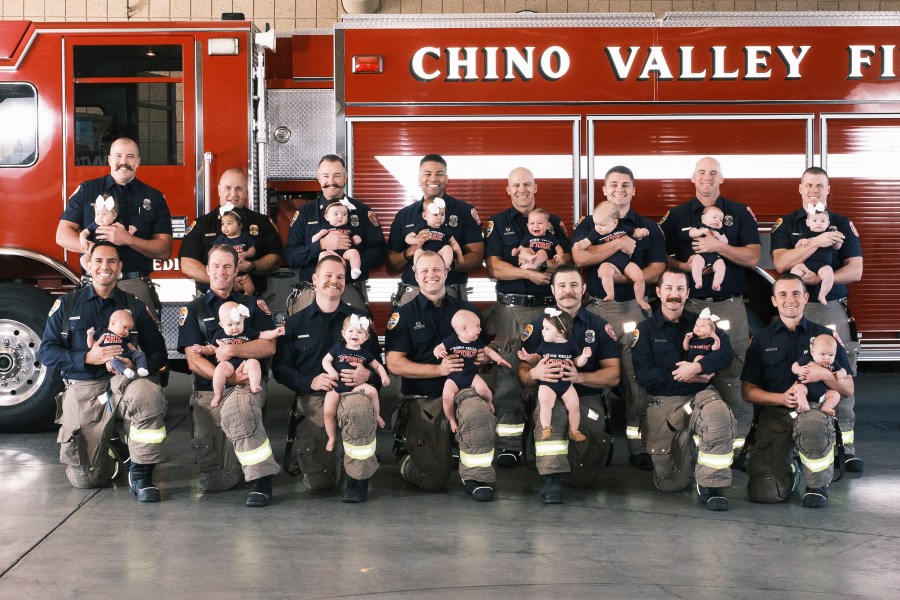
567 96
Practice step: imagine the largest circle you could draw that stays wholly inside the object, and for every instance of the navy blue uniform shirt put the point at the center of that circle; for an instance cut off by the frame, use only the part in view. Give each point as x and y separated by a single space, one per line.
739 226
139 205
658 345
505 232
90 310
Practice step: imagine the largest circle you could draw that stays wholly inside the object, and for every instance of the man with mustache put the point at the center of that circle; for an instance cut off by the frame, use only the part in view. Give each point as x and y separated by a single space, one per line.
309 335
581 462
300 252
770 384
140 206
682 401
196 244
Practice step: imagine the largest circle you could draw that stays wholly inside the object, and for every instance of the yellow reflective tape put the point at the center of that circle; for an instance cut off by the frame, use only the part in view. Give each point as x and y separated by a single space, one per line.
551 448
360 452
510 429
818 464
739 443
476 460
148 436
715 461
847 436
697 440
255 456
633 433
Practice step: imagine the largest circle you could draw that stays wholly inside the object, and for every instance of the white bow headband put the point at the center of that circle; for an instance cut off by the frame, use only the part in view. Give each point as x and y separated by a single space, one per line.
358 321
436 205
108 203
239 311
552 312
227 207
815 208
705 314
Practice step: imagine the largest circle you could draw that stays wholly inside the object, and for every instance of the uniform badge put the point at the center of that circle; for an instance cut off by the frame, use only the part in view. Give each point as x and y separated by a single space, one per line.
254 230
663 220
354 220
182 316
55 307
373 218
589 336
453 221
262 306
749 210
611 332
853 229
728 221
294 218
393 320
526 333
637 334
147 204
476 217
777 224
490 229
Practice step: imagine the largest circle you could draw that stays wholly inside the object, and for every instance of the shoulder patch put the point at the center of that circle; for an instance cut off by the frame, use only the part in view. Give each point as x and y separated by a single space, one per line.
611 332
373 218
838 338
777 224
476 217
263 307
55 306
489 229
393 320
182 316
562 226
578 222
664 217
853 228
294 218
191 226
526 333
637 334
749 210
149 312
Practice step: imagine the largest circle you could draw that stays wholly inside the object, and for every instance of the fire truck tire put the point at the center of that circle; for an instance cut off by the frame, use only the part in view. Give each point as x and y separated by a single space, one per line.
27 388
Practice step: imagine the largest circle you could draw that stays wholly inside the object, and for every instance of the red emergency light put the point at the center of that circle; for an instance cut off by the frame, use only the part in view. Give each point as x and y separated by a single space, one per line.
368 64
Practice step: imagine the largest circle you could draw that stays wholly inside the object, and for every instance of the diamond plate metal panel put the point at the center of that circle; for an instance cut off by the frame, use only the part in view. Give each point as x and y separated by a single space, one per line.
170 327
780 19
306 119
494 21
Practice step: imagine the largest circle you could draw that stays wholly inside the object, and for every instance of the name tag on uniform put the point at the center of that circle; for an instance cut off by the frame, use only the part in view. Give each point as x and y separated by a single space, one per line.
75 318
302 335
214 234
209 319
312 222
660 341
771 349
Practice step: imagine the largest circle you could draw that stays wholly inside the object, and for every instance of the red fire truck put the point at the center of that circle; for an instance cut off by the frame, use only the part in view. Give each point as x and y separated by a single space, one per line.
567 96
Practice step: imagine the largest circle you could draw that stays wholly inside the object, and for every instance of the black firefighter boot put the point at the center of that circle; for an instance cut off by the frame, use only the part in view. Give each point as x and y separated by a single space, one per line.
260 492
140 480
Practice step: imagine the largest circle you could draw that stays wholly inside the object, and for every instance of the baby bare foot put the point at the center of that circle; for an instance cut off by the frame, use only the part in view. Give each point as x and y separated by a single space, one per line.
330 445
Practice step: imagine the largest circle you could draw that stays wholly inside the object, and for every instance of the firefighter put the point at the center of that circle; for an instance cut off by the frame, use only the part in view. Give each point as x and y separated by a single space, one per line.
557 456
682 402
309 335
141 206
741 251
522 295
769 383
229 439
300 252
461 221
93 397
423 432
623 313
199 239
848 268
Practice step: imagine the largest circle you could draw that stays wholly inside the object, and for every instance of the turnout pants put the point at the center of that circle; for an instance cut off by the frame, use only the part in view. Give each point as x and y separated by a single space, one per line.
668 430
87 420
834 315
506 324
728 381
426 438
624 317
770 466
230 440
582 461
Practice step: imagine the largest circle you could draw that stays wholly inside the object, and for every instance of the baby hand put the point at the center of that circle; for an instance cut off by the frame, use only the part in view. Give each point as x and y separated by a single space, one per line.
802 243
385 381
587 352
641 232
380 421
440 351
196 349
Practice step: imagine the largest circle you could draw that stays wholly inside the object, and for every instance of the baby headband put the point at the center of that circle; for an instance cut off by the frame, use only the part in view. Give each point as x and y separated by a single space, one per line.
705 314
814 208
552 312
358 321
239 311
436 205
227 207
108 203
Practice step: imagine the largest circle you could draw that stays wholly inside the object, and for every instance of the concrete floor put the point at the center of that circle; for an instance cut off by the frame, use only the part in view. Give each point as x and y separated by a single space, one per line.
621 540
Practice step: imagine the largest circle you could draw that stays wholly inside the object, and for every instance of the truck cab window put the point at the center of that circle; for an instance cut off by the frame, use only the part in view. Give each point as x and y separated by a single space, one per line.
18 125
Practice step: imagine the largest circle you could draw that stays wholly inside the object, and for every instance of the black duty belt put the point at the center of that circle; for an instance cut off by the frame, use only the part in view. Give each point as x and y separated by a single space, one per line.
134 275
525 300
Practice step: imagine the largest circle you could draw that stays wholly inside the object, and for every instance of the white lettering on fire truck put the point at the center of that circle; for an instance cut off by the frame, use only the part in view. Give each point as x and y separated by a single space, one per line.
755 64
861 56
489 64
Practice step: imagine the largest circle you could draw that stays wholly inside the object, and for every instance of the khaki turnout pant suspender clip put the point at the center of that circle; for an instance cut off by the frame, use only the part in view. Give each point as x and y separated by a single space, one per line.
294 420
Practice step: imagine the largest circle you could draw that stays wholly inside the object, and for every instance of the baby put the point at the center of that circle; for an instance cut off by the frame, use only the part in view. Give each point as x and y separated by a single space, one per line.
465 343
822 351
337 214
232 332
820 262
118 333
347 355
711 218
435 236
558 349
106 210
234 236
608 227
534 251
703 339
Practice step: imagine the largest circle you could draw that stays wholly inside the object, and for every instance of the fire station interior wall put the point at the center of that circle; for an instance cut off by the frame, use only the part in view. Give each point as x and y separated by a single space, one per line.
286 15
